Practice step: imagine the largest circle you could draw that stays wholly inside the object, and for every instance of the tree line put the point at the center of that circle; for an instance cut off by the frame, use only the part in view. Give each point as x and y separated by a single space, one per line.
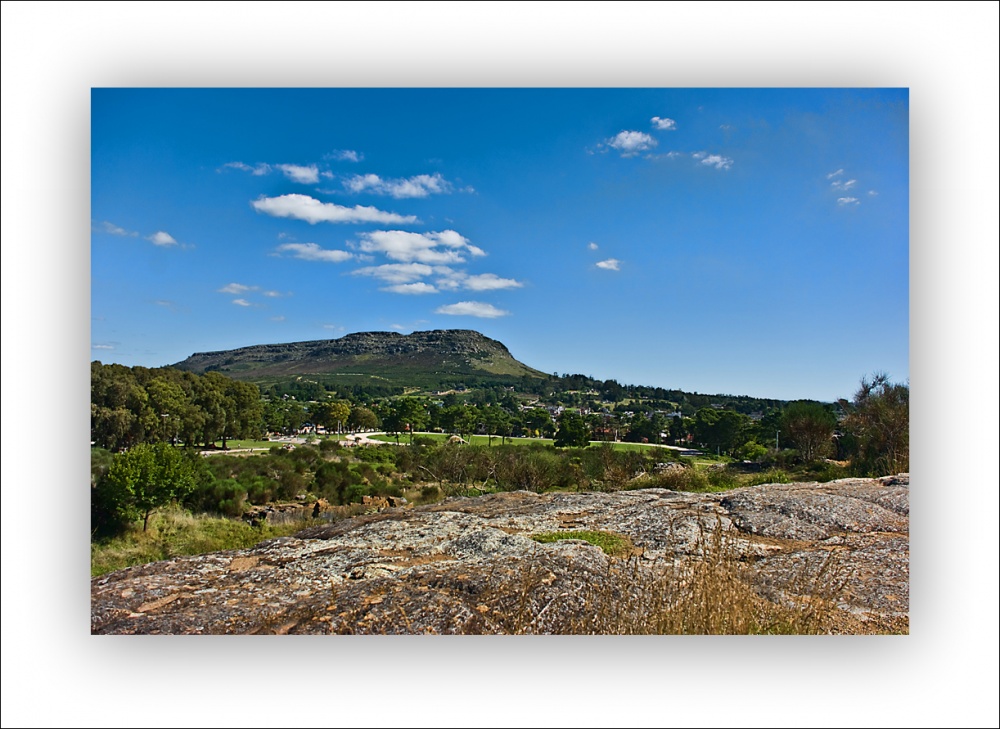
141 416
133 405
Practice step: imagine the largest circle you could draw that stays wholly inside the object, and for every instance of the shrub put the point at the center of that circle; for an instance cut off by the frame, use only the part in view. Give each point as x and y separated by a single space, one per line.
376 454
329 445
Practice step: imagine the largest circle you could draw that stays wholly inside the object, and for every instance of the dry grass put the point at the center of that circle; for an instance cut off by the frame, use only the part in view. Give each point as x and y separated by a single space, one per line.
709 594
175 533
712 593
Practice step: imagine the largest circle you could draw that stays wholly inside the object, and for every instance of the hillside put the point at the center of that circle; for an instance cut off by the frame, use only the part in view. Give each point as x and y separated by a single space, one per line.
425 357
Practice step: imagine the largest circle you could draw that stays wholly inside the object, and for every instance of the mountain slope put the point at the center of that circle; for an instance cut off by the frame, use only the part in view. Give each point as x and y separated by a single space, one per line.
391 356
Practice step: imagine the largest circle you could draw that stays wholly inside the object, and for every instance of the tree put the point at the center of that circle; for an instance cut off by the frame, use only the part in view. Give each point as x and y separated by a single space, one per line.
120 415
538 422
362 418
725 430
168 401
680 427
404 415
331 415
809 426
880 423
144 478
572 430
497 422
466 421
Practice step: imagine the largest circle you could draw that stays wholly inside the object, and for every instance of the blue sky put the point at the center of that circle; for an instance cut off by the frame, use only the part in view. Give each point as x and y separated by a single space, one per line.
743 241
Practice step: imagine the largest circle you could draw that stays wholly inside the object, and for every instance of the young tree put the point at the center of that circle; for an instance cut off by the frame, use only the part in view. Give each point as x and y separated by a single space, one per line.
144 478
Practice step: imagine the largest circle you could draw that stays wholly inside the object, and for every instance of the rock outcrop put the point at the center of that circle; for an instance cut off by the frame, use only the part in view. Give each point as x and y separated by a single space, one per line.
469 565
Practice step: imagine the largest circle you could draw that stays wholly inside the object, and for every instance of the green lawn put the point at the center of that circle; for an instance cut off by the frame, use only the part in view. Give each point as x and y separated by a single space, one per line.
244 444
484 440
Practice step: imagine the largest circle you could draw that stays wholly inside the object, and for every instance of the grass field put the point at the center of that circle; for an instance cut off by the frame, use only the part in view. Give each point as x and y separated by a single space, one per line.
243 444
704 459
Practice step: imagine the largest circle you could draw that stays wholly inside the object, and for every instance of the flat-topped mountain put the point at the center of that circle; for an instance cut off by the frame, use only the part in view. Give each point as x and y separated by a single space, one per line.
388 355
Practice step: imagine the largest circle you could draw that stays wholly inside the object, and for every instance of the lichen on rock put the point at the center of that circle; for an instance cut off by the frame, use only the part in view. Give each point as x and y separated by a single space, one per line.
468 565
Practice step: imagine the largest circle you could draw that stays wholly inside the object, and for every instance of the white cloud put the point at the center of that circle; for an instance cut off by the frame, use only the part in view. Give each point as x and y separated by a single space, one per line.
451 280
236 288
165 303
161 238
242 302
396 273
311 210
664 123
344 155
102 346
847 201
411 288
835 173
277 318
416 186
305 174
313 252
106 227
446 246
334 327
872 193
610 264
472 308
714 160
592 246
631 143
489 282
843 184
261 168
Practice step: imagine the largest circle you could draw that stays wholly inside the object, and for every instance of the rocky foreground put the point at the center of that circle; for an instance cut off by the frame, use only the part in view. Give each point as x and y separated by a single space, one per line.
468 565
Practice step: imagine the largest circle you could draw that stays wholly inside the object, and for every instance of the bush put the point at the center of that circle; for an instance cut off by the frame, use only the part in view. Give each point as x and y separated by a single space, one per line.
376 454
329 445
676 479
723 479
751 451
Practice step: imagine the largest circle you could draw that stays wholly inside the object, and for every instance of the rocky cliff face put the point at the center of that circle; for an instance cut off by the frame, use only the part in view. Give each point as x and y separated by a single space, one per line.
470 566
